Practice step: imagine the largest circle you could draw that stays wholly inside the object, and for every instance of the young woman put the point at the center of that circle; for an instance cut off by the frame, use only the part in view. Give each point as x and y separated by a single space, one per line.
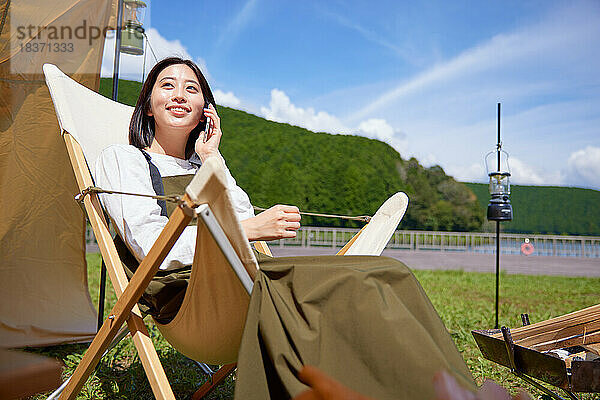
168 143
364 320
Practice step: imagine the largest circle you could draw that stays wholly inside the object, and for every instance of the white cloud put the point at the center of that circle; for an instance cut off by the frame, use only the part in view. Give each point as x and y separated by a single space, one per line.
226 99
378 128
130 67
428 160
467 173
584 167
525 174
521 173
281 109
542 73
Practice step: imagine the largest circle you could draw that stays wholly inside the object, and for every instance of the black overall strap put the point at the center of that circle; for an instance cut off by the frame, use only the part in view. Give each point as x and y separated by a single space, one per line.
157 184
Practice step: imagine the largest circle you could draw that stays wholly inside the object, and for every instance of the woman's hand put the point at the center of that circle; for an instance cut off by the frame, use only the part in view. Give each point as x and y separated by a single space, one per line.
207 146
278 222
324 387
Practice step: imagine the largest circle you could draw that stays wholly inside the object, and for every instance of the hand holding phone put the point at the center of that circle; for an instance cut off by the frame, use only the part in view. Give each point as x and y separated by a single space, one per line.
209 125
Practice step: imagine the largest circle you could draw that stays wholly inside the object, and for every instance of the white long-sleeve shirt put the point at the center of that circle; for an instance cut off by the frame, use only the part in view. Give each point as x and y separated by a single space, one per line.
137 219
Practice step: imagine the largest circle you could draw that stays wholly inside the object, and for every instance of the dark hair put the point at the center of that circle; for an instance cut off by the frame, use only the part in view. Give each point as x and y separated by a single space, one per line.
141 127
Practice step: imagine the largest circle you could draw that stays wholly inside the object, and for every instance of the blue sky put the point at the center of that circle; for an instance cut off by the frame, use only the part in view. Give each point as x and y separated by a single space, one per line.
423 76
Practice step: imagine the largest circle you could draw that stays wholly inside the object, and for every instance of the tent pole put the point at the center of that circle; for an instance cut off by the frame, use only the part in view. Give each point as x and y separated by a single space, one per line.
115 92
101 295
115 89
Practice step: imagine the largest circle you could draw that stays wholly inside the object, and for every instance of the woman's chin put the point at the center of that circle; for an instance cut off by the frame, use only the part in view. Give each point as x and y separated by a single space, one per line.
180 123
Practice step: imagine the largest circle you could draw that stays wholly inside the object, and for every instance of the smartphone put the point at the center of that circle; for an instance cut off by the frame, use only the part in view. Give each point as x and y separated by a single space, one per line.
209 124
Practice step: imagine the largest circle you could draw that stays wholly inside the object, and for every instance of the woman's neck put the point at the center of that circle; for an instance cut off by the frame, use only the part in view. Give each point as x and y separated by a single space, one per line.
169 143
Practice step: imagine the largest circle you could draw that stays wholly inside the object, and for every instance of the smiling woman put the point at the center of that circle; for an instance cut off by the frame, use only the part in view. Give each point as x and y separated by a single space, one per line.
176 87
168 143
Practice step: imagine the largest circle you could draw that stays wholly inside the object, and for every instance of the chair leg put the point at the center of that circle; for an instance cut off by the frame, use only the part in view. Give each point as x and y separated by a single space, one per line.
214 381
122 312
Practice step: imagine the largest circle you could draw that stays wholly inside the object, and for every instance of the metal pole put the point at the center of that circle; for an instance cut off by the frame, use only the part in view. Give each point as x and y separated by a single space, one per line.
499 142
115 89
101 296
498 231
497 269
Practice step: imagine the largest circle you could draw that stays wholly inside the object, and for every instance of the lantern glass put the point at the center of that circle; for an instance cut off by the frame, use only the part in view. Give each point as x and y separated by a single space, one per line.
132 39
500 183
134 12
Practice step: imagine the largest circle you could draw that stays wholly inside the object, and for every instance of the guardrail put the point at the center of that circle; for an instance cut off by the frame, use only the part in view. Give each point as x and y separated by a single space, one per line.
469 242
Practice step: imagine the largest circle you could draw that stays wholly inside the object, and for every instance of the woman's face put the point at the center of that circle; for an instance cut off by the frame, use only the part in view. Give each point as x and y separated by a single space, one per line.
176 101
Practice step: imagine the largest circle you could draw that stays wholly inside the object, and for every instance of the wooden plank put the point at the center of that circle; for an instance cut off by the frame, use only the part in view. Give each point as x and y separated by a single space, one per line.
262 247
378 232
580 340
575 329
553 324
216 379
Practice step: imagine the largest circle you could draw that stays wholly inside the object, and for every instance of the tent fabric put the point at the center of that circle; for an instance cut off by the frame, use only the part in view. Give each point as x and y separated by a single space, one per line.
44 292
363 320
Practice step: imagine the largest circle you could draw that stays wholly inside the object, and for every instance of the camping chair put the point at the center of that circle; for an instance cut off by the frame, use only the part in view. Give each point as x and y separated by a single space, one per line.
90 122
86 131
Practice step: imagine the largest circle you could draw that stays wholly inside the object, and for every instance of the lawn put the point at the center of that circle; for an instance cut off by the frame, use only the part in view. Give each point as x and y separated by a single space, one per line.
464 300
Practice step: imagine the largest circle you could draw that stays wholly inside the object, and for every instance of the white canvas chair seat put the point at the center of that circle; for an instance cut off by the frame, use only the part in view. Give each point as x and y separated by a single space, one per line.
210 322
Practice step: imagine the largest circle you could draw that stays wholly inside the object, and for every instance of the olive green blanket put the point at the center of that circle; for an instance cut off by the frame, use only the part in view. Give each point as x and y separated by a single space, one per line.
363 320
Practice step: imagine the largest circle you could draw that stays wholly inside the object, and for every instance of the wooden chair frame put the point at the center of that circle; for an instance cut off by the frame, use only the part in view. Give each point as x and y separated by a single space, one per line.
128 292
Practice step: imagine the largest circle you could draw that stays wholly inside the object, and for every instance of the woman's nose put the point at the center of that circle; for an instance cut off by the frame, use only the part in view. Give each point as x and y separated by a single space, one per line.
179 94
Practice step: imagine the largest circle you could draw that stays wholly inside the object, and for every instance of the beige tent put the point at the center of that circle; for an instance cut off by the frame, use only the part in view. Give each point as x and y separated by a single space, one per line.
43 286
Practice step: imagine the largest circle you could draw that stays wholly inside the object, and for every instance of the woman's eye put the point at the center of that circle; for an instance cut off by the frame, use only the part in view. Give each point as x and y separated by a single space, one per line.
194 88
167 84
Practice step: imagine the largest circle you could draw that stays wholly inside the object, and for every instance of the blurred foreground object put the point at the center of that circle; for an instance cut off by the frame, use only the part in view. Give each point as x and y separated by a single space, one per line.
446 388
25 374
323 387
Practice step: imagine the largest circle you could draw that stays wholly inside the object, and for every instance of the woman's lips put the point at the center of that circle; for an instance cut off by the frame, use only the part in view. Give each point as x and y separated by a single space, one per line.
178 110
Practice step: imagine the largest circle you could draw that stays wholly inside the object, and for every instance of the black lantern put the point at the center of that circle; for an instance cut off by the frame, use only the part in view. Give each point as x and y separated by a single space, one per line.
499 207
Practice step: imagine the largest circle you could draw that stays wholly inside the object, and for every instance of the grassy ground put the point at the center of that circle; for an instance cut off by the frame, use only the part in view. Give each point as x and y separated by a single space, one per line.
464 300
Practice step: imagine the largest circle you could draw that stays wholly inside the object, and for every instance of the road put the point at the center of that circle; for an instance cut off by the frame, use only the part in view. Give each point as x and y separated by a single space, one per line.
512 264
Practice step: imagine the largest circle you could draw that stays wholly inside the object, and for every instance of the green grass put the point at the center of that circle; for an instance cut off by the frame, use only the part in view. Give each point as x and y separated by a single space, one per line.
464 300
